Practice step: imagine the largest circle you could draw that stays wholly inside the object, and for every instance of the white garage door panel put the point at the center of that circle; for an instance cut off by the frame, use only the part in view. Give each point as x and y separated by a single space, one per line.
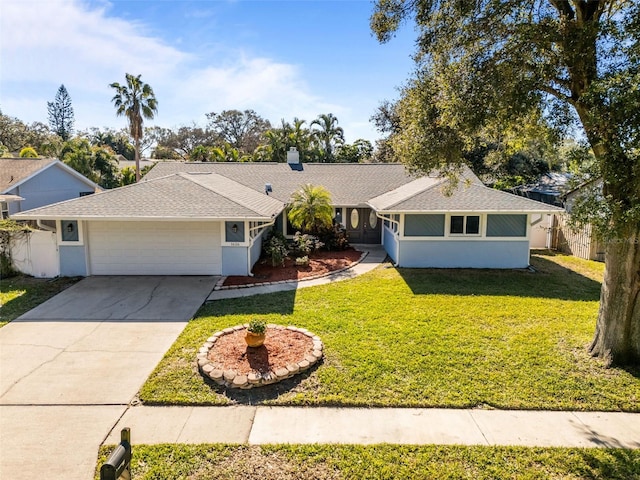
154 248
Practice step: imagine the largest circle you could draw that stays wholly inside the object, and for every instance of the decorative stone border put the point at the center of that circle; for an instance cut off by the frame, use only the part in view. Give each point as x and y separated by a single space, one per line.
220 283
230 379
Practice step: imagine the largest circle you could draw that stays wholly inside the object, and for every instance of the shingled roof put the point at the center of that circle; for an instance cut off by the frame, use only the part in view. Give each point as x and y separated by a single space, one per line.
433 195
14 171
349 184
179 197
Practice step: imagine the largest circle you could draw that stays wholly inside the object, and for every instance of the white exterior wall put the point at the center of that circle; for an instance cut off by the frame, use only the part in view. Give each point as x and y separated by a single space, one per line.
35 253
457 251
154 248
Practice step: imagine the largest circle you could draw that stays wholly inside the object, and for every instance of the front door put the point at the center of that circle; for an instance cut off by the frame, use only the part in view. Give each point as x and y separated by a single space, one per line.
363 226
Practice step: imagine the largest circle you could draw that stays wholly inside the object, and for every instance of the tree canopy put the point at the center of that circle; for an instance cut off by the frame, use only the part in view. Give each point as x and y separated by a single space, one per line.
486 66
136 101
61 117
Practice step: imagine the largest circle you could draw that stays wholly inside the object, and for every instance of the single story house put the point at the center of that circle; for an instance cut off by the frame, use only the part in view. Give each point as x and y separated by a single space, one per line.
28 183
209 218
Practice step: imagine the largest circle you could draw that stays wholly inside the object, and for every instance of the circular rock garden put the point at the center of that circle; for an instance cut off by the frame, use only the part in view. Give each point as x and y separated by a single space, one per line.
226 359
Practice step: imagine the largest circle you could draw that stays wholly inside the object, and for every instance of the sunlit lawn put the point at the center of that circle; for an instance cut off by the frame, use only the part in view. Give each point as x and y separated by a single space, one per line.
445 338
20 293
373 462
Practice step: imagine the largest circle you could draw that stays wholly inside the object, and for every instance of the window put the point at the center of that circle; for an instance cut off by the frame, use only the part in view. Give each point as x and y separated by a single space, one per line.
355 218
506 225
69 231
4 210
418 225
373 219
338 216
464 225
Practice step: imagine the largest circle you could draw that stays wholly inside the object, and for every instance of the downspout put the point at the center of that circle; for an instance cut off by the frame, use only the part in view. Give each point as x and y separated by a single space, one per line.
251 242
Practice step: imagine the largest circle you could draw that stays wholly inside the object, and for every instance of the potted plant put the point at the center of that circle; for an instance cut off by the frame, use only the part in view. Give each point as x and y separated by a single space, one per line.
255 333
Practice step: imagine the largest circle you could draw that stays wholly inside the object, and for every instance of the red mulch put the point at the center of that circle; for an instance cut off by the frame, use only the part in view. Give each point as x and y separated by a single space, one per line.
319 263
281 348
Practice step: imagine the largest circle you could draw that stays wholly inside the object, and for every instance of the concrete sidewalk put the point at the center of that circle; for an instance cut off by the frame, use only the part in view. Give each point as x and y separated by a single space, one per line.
304 425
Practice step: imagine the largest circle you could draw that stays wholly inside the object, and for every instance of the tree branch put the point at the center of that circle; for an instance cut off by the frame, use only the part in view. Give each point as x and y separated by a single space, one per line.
564 8
557 93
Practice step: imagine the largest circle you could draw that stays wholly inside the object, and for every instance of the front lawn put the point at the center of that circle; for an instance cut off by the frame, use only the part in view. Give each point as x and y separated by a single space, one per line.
402 462
426 338
21 293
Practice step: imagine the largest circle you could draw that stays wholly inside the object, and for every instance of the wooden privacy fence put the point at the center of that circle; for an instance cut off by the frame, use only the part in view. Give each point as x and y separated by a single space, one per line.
577 242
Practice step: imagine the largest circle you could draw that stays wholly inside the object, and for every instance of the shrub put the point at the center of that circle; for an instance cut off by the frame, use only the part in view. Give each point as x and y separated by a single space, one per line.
28 152
302 261
334 237
275 247
304 243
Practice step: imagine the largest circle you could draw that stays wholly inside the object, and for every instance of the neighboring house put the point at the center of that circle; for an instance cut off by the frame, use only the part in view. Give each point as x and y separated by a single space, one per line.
549 188
209 218
38 182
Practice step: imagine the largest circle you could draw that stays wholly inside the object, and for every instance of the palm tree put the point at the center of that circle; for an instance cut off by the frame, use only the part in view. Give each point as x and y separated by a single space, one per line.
328 135
310 209
136 101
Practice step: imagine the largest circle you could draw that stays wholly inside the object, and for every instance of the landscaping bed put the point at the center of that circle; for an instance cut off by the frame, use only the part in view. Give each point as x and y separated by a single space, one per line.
320 263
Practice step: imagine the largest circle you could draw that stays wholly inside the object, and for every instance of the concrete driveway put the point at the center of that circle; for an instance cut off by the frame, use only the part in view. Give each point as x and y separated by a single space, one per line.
69 367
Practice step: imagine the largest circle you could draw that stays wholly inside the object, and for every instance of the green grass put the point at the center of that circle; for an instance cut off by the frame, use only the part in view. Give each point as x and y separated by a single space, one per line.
20 293
324 462
426 338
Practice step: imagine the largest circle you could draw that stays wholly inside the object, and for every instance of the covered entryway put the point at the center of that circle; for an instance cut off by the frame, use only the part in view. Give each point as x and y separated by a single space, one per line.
363 226
154 248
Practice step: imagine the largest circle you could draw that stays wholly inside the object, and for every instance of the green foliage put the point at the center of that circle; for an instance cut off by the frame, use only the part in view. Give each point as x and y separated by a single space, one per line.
328 135
275 246
359 151
241 130
28 152
136 101
15 134
4 151
61 114
304 243
9 229
310 208
98 164
334 237
257 326
118 142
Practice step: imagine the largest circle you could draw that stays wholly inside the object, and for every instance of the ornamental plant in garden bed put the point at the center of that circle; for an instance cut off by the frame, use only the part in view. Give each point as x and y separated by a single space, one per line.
320 262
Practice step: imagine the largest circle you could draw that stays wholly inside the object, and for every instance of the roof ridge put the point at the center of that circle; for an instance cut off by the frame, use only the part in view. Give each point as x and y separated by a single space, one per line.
191 178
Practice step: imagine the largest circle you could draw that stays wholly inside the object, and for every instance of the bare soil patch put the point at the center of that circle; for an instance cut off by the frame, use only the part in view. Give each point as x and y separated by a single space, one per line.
320 263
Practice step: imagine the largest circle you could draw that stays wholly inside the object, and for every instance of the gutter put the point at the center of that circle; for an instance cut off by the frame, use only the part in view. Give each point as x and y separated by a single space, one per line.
45 227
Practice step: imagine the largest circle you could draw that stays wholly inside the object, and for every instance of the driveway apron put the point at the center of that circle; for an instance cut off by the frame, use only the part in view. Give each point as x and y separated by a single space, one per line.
69 367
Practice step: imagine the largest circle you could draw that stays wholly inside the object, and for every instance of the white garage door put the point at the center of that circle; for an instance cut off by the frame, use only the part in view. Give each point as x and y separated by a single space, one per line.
154 248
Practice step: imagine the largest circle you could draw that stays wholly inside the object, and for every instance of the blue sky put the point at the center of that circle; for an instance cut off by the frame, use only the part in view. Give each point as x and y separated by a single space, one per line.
284 59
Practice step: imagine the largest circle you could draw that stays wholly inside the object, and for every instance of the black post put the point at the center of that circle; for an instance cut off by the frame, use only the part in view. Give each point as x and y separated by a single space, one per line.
118 466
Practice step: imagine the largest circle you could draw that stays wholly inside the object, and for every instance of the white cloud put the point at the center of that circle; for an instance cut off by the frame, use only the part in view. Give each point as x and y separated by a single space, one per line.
47 43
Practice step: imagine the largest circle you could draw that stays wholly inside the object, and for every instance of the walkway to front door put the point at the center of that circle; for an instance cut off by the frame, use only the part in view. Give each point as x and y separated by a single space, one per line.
363 226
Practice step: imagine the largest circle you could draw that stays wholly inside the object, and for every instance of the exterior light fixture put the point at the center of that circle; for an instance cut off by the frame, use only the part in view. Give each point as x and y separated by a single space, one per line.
234 228
70 227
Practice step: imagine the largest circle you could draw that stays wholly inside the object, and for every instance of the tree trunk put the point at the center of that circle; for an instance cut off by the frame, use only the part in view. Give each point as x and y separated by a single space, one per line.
137 155
617 337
